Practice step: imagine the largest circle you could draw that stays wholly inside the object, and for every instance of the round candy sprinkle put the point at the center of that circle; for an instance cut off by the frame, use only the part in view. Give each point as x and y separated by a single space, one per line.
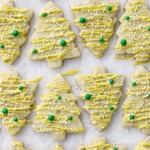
87 96
101 40
111 108
15 119
59 97
44 14
123 42
109 8
127 18
115 148
148 95
15 33
20 88
2 46
70 118
34 51
133 83
51 117
5 111
148 29
63 43
111 81
82 20
132 117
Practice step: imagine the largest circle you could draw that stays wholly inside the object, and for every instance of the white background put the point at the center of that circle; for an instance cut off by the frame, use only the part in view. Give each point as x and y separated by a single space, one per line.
29 69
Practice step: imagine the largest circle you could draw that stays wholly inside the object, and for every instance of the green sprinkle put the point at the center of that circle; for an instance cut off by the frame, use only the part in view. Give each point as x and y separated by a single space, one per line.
148 95
82 20
111 81
2 46
109 8
51 117
115 148
34 51
70 118
20 88
44 14
63 43
134 84
15 33
59 97
111 108
87 96
132 117
148 29
15 119
127 18
5 111
123 42
101 40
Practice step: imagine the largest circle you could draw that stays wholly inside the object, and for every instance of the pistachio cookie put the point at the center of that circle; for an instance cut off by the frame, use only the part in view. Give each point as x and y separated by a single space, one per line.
58 112
14 27
96 21
16 100
137 102
53 40
17 146
134 33
58 147
101 93
100 143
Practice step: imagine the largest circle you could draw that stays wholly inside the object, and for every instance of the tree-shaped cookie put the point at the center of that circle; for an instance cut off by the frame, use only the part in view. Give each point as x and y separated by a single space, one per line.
96 21
144 145
137 102
134 32
58 112
58 147
16 100
101 92
17 146
13 27
100 143
53 40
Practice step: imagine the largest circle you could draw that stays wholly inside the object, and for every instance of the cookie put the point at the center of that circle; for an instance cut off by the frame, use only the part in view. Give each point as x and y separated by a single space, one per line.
144 145
17 146
136 105
53 40
96 21
101 144
101 93
58 112
16 100
134 33
13 27
58 147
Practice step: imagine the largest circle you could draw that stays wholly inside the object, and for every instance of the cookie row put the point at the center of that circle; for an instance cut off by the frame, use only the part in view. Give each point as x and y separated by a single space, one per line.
97 143
58 111
54 41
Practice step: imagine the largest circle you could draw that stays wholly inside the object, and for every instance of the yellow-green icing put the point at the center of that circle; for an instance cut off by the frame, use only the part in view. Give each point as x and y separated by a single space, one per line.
17 145
104 96
136 32
16 95
100 143
50 30
11 19
99 24
137 102
61 103
144 145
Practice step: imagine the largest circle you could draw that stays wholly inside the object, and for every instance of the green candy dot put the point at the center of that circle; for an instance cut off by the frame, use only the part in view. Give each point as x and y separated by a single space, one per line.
148 28
132 117
109 8
15 119
115 148
34 51
82 20
2 46
44 14
51 117
111 108
70 118
127 18
133 83
148 95
87 96
20 88
15 33
5 111
101 40
59 97
63 43
111 81
123 42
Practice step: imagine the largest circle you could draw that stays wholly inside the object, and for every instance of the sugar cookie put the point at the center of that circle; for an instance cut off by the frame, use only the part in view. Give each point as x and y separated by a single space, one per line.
17 146
58 147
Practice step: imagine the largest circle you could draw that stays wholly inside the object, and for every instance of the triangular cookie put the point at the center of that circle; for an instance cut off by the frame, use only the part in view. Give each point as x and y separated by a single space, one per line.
53 40
134 32
17 146
100 143
58 112
95 19
101 92
137 102
16 100
13 27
